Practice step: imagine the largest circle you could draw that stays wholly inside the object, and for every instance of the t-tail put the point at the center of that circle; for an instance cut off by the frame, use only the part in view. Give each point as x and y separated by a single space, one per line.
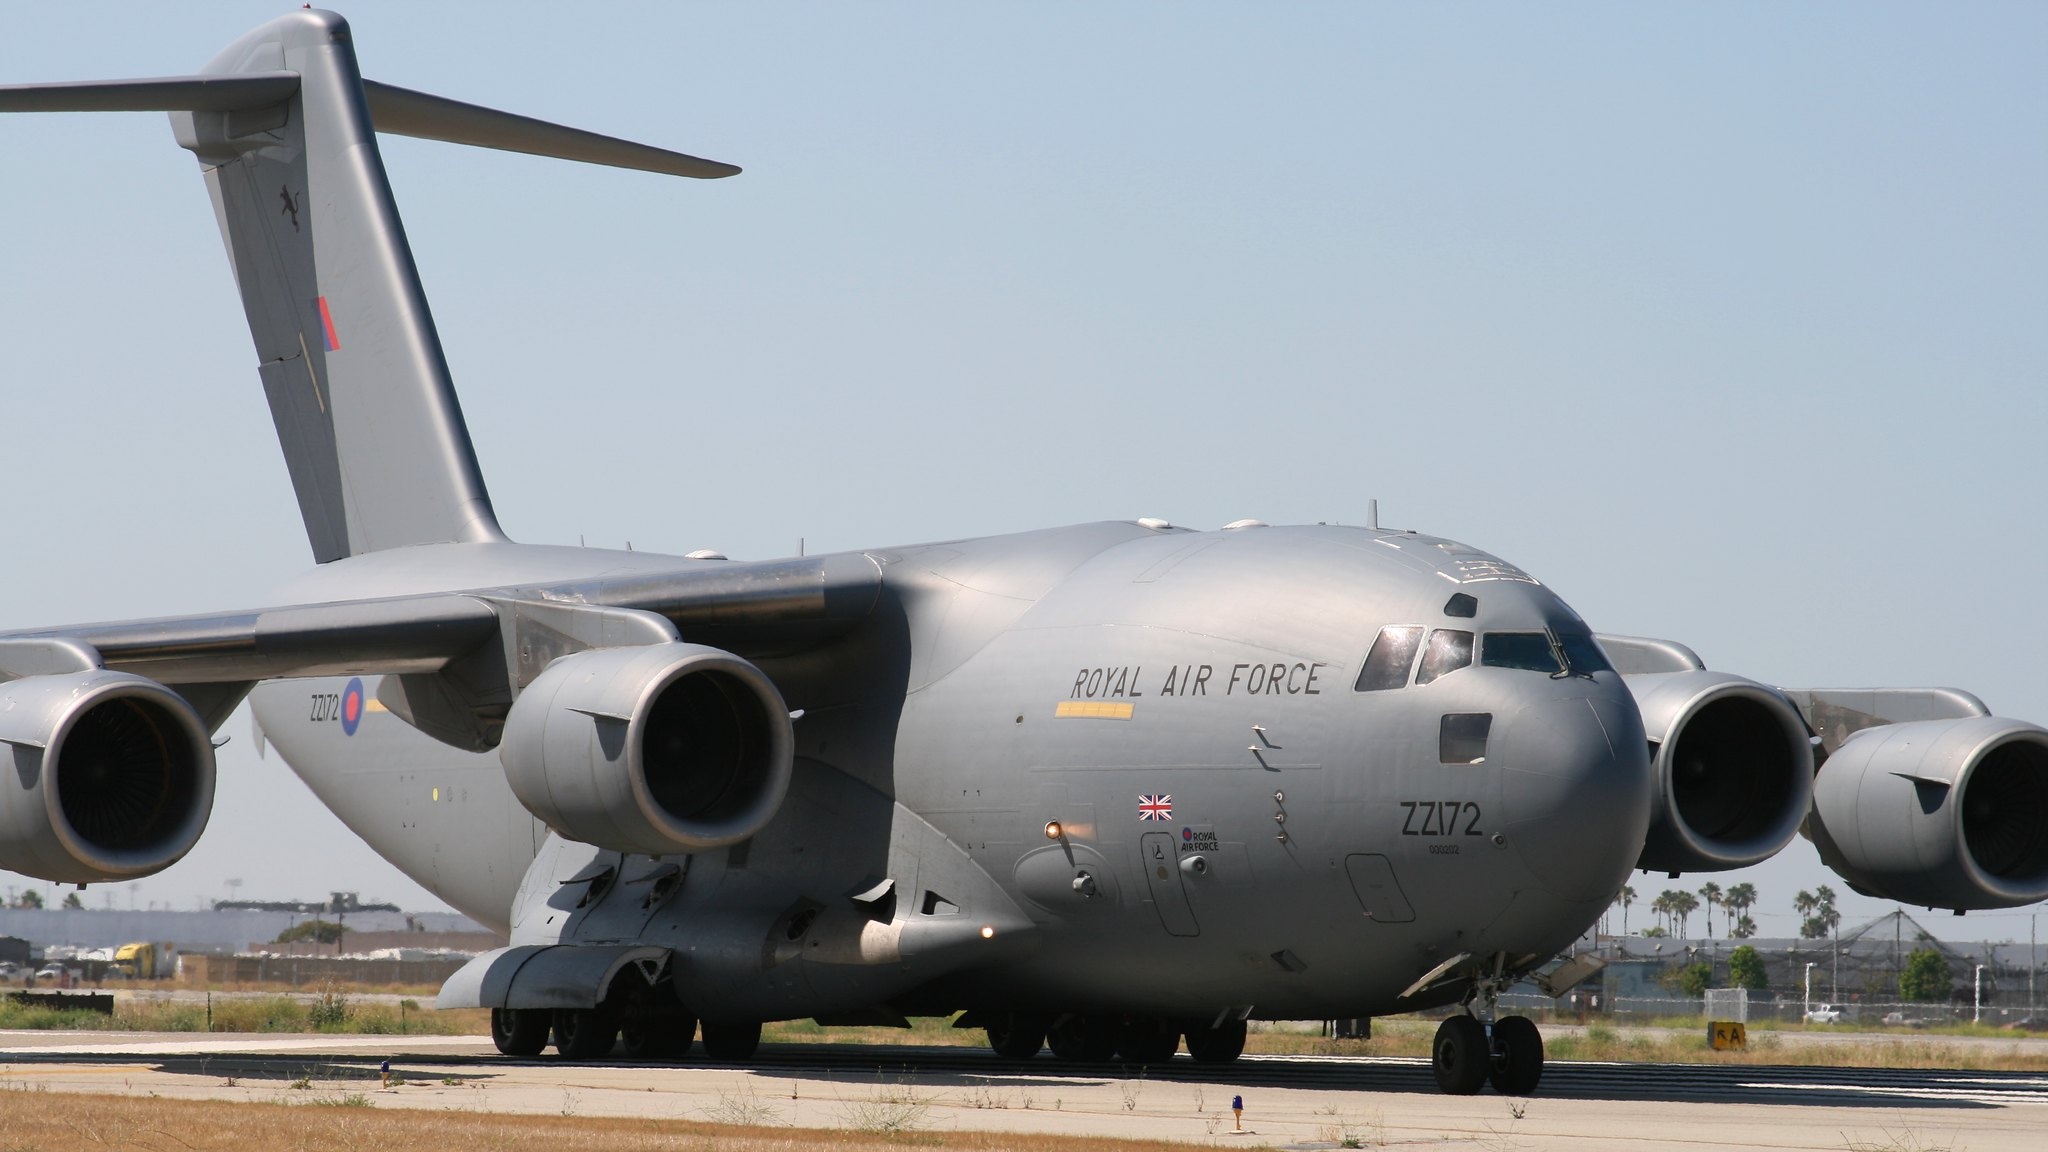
284 126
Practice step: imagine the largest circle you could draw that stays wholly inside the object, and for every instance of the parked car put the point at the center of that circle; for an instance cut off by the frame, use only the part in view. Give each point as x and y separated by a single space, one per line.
1824 1014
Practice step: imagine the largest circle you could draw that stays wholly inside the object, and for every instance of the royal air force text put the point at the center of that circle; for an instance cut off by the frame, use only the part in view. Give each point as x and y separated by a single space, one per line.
1283 678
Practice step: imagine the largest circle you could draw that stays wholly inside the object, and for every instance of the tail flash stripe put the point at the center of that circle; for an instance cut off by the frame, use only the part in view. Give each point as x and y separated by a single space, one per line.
332 341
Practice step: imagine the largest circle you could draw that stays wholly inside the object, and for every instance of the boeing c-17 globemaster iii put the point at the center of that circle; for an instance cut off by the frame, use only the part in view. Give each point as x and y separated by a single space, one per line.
1104 788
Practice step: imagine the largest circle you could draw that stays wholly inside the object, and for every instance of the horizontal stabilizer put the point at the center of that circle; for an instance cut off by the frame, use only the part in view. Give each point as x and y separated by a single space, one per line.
231 93
404 112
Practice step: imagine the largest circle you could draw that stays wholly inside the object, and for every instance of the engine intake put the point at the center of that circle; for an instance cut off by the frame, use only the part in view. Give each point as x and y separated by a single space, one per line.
1942 813
656 749
103 776
1733 765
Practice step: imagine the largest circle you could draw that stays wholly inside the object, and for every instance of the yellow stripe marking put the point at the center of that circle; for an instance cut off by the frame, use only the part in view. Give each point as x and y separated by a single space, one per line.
1094 709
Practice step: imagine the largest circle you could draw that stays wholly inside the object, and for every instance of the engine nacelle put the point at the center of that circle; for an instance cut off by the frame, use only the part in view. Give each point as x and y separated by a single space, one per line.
103 776
1943 813
656 749
1733 764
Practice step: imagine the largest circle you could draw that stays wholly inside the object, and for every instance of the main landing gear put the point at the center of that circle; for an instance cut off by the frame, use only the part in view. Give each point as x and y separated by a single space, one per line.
638 1031
1099 1039
1467 1054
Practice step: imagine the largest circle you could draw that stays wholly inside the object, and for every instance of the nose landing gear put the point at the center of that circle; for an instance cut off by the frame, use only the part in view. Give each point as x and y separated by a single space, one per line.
1468 1052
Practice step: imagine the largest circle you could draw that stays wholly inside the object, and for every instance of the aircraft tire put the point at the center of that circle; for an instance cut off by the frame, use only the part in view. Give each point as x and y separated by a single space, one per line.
658 1036
1517 1065
520 1031
1016 1035
1143 1040
731 1041
1460 1057
1081 1039
1217 1045
585 1033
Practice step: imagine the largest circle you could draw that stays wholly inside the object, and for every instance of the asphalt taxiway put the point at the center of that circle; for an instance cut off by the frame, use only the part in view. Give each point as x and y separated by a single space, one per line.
1301 1101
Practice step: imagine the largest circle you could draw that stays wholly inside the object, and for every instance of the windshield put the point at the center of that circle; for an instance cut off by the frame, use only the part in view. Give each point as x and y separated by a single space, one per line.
1558 651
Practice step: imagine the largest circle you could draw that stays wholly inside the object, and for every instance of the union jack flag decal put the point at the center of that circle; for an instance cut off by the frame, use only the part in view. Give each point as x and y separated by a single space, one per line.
1155 807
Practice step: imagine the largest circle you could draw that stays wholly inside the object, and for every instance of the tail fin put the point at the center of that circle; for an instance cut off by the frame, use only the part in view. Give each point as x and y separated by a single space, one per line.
284 128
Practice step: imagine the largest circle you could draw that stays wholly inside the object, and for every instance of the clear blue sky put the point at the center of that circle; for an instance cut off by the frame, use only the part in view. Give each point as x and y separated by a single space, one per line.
1725 320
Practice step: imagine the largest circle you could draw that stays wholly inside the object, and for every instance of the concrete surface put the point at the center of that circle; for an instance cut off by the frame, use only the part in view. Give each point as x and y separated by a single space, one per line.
1290 1101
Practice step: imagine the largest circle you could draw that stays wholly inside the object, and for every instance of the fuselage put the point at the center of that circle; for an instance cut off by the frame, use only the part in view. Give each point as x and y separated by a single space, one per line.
1288 770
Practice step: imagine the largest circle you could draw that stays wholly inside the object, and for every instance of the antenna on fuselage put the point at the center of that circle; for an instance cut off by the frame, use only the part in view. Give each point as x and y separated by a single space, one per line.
1372 513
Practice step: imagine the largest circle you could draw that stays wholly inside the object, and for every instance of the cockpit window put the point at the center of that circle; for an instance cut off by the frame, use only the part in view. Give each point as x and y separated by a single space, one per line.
1449 649
1526 650
1462 604
1559 651
1393 652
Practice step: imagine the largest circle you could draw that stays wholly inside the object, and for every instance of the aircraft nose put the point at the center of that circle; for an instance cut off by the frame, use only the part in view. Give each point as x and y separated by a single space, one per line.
1576 787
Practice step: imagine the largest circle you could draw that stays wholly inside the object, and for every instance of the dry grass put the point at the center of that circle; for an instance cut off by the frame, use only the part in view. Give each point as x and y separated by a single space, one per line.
1412 1037
306 1012
53 1121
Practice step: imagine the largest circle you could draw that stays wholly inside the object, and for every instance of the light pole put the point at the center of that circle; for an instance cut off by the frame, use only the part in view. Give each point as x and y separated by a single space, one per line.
1977 995
1809 992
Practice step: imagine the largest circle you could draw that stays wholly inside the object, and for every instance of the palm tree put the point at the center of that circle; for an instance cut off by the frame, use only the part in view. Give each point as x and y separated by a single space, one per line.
1738 900
1711 893
1744 928
1662 907
1626 896
1683 904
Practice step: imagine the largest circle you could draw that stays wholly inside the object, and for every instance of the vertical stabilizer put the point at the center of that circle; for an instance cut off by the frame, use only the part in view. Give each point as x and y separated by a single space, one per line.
347 347
351 363
285 129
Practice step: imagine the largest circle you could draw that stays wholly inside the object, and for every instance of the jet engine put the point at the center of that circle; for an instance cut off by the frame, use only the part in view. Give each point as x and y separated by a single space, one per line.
1733 764
1944 813
103 776
656 749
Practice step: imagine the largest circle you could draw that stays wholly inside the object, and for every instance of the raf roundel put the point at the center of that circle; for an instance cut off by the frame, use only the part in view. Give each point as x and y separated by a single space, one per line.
351 707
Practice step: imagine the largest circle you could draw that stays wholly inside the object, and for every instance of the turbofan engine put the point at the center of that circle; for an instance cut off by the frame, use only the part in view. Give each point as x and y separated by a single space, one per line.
103 776
1734 770
1944 813
657 749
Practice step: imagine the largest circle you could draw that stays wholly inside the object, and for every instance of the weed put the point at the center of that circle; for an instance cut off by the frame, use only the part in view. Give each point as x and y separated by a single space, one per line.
883 1117
743 1108
1888 1140
341 1100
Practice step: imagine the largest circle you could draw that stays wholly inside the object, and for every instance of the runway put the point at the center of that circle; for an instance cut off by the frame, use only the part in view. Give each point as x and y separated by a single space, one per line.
1291 1101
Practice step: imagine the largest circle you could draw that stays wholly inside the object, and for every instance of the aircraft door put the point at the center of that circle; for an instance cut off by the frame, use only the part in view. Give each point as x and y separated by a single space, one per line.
1162 876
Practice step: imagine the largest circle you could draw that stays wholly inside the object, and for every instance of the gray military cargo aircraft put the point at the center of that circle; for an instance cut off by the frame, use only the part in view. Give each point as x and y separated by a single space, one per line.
1103 787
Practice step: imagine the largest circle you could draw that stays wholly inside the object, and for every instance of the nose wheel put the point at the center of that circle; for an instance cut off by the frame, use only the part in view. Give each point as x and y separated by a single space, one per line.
1460 1056
1465 1056
1517 1063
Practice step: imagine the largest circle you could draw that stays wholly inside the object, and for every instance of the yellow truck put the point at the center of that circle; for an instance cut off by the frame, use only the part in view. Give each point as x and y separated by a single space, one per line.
144 961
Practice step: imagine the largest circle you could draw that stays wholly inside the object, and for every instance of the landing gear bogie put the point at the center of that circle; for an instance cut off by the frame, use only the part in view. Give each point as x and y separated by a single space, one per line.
1218 1045
1016 1035
585 1033
520 1031
731 1040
